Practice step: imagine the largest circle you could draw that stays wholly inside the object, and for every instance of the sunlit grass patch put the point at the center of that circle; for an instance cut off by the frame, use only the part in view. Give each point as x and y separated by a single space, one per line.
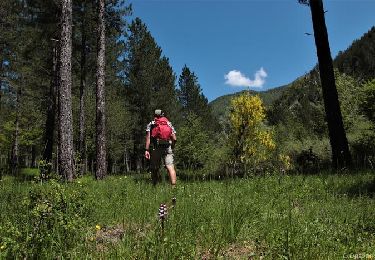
300 217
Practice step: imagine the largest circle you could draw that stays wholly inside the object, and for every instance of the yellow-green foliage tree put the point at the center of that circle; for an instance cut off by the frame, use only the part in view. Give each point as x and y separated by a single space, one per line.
251 142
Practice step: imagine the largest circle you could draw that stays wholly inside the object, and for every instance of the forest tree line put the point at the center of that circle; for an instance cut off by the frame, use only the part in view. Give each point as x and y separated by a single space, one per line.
138 79
119 75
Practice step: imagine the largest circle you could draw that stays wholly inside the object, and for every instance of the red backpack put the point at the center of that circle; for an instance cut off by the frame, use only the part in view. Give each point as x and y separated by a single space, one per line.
161 130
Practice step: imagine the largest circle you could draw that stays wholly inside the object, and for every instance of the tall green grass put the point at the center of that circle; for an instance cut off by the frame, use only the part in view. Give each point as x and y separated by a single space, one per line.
275 217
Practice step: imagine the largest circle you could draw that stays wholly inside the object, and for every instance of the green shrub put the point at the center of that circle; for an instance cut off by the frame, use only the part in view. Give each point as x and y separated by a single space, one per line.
368 100
363 150
194 145
52 222
45 169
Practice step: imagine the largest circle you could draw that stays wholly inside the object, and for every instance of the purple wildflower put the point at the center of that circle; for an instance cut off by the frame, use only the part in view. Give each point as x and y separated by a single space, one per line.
163 212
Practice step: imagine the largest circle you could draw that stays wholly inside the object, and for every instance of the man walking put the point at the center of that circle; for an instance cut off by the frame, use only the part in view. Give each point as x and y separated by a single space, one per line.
161 135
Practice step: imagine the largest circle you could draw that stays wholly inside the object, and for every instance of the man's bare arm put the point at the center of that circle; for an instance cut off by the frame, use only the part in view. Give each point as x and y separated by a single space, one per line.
174 140
148 140
147 153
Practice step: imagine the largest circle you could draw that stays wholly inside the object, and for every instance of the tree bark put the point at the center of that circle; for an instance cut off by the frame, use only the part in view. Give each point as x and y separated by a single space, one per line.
341 156
82 136
101 152
66 162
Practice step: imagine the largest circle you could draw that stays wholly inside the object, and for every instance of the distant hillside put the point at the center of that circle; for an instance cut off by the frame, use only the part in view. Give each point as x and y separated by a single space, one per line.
302 100
357 61
220 105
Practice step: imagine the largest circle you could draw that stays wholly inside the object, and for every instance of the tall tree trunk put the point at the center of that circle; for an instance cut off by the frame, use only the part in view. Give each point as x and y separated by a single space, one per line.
101 152
82 137
126 160
14 159
56 165
14 155
51 110
339 144
33 156
66 163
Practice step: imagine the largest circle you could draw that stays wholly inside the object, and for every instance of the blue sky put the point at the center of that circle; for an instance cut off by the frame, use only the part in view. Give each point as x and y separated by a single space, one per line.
235 44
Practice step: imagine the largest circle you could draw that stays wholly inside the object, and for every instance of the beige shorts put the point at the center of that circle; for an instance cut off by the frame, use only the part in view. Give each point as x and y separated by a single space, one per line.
160 153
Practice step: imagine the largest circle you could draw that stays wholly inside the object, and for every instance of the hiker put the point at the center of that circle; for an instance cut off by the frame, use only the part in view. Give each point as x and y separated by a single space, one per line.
162 136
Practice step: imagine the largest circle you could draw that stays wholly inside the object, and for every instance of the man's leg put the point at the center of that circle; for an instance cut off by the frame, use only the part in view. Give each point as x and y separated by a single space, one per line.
155 165
172 174
169 164
173 179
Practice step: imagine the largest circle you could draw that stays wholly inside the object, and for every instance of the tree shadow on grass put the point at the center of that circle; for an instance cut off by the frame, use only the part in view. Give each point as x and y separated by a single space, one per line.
26 174
360 188
190 176
187 176
141 177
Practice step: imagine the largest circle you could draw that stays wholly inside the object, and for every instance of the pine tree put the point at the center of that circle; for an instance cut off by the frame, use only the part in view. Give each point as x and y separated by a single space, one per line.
30 34
22 88
82 88
341 156
150 84
191 97
85 40
65 151
164 91
14 155
101 149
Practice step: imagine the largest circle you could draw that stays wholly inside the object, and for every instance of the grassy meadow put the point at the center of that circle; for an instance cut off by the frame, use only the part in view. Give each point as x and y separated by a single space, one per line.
271 217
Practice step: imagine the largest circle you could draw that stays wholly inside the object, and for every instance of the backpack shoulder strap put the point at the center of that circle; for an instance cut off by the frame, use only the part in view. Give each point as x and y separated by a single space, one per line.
150 126
162 120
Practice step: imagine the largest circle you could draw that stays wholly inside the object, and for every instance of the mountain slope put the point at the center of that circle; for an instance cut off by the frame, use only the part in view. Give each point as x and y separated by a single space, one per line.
357 61
220 105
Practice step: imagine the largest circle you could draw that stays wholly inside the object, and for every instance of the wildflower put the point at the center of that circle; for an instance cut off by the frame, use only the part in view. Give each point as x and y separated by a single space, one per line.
2 247
98 227
79 182
163 212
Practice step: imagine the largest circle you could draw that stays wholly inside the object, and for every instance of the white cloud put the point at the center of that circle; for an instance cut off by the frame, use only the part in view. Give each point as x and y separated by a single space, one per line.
237 79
